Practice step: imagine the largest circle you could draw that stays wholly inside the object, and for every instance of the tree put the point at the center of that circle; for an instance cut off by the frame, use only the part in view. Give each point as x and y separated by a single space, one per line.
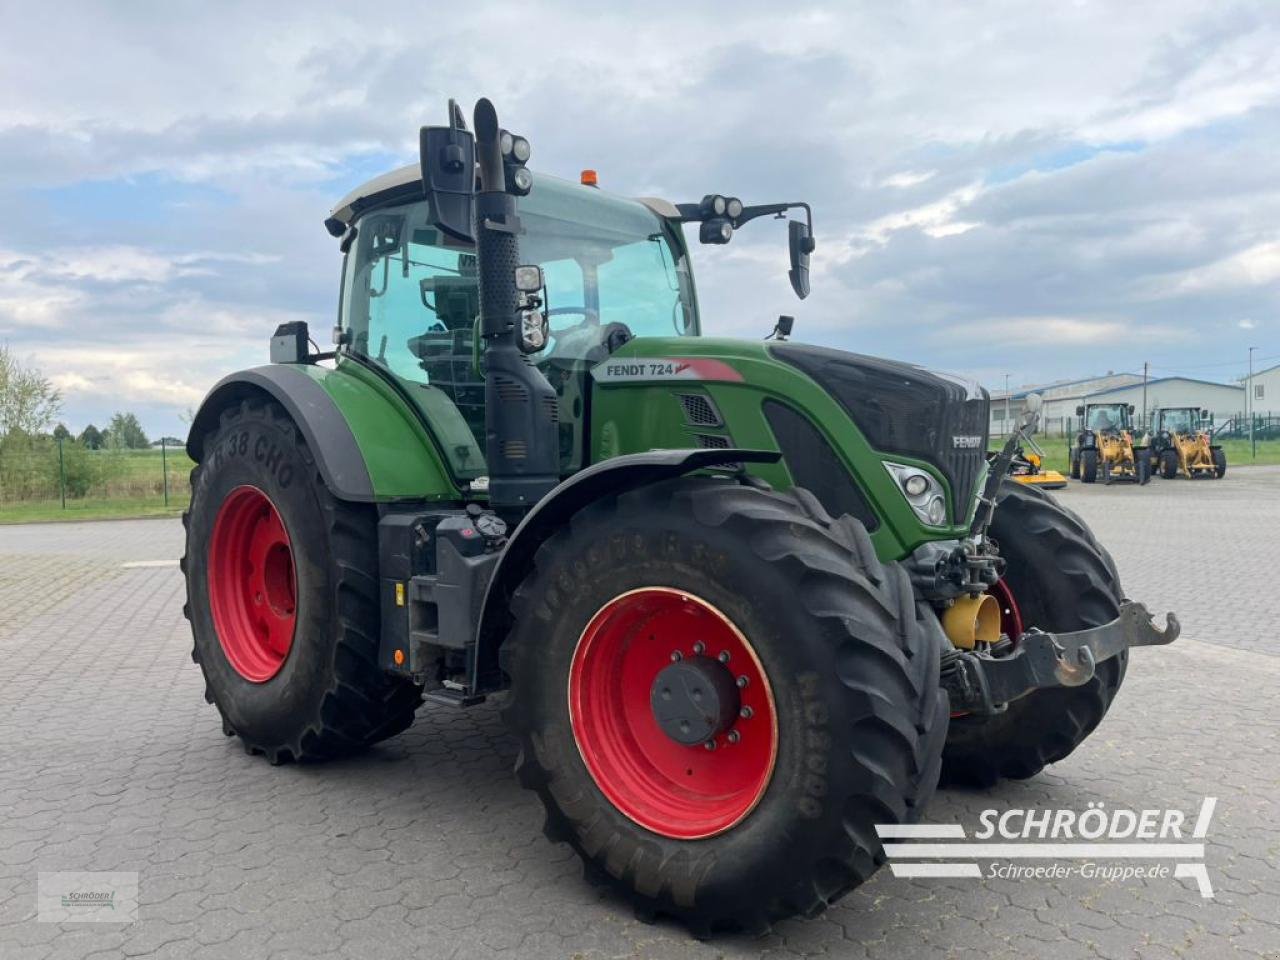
125 432
28 401
92 438
60 432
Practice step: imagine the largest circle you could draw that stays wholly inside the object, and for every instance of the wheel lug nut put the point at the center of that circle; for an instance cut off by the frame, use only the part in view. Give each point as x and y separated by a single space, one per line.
746 713
676 656
710 744
699 647
724 656
734 736
742 682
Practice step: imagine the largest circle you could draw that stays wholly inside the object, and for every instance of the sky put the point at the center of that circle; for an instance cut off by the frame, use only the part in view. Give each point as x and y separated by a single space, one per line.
1042 191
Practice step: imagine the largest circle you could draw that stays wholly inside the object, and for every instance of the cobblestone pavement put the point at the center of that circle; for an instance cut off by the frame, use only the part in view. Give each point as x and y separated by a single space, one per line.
110 760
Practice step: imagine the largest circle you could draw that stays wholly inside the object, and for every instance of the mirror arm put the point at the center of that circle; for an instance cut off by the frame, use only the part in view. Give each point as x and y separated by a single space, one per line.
694 213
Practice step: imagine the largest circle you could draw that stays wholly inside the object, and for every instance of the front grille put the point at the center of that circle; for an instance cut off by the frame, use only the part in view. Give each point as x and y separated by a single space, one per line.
906 410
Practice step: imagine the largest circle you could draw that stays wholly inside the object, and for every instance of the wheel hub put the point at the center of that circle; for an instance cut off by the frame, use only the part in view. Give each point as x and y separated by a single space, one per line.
252 584
695 700
673 713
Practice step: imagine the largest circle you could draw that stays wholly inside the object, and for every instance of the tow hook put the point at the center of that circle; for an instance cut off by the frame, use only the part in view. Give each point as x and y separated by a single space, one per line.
980 683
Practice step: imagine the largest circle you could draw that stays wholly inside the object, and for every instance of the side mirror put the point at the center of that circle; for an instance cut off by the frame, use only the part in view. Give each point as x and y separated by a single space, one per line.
1080 411
801 244
448 159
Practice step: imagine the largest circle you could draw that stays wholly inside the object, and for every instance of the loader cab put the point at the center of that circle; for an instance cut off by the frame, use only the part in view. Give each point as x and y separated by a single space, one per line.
614 269
1106 418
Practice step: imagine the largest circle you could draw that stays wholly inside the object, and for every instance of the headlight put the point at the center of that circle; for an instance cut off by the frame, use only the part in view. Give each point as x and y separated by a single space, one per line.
922 491
937 512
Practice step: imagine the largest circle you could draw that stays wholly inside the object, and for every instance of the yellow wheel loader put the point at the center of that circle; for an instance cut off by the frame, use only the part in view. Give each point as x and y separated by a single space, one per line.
1104 447
1181 444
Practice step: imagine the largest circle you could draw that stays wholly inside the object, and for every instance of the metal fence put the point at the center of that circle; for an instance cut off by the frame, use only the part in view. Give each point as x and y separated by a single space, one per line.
64 474
1266 426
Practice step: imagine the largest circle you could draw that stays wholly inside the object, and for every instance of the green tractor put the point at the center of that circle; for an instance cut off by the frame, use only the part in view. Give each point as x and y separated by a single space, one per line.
745 602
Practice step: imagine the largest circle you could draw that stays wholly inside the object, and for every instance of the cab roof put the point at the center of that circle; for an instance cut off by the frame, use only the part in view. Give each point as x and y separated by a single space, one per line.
405 183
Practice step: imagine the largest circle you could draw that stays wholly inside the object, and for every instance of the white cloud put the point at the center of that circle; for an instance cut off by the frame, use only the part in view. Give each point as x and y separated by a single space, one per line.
908 178
1258 265
937 219
1055 331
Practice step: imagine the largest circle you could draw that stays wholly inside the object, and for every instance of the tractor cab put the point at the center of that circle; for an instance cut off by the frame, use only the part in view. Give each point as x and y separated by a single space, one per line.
612 269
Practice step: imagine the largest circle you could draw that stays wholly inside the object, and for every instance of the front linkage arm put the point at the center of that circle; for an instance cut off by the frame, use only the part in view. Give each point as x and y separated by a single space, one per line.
983 684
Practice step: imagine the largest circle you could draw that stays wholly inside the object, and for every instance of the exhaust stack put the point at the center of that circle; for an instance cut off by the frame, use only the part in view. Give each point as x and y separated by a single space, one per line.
522 442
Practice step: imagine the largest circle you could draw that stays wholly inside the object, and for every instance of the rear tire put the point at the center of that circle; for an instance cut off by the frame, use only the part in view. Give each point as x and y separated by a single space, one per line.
326 695
1142 463
1061 579
854 680
1220 463
1075 466
1089 465
1169 464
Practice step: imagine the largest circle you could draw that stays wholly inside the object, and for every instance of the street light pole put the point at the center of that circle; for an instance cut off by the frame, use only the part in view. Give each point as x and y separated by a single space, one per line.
1144 391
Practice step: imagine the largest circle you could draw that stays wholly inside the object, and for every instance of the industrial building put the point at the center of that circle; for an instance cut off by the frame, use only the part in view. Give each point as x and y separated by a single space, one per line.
1060 400
1266 391
1223 400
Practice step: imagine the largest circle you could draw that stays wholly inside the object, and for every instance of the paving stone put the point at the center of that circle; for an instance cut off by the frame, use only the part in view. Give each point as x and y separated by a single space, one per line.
111 760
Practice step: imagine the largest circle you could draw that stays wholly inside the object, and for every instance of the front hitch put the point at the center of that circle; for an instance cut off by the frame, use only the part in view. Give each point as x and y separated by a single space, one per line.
982 684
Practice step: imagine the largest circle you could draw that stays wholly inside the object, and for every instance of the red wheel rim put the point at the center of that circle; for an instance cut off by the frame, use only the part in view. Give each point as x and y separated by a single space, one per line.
678 791
1010 616
252 586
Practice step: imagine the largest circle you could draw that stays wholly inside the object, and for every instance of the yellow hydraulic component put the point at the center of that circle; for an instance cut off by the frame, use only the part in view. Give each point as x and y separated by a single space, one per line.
1194 455
1116 451
970 621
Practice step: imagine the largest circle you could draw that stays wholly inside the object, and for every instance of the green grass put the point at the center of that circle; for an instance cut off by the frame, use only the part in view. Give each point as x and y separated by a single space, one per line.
132 485
1238 452
38 511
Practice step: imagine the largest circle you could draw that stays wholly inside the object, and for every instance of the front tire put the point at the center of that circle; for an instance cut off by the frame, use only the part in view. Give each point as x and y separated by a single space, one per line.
1219 463
1060 579
831 650
1169 464
282 597
1089 465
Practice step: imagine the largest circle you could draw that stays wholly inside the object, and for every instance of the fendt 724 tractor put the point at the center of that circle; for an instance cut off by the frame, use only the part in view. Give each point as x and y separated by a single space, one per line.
1181 444
743 601
1104 447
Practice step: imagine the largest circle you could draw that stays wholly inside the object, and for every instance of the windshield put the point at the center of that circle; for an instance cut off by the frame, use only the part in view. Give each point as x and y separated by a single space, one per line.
1177 421
410 299
1112 416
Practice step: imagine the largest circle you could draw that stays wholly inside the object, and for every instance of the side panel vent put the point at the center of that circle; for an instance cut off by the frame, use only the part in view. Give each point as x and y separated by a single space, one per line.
700 410
515 450
709 441
815 466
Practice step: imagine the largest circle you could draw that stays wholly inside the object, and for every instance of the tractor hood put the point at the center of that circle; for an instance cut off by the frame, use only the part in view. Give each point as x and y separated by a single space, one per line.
905 409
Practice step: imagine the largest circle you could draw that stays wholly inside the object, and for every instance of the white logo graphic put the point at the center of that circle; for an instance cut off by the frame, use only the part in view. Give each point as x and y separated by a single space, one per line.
1058 835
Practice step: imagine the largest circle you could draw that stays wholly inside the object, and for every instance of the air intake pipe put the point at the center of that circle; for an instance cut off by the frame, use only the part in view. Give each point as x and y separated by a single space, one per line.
521 421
